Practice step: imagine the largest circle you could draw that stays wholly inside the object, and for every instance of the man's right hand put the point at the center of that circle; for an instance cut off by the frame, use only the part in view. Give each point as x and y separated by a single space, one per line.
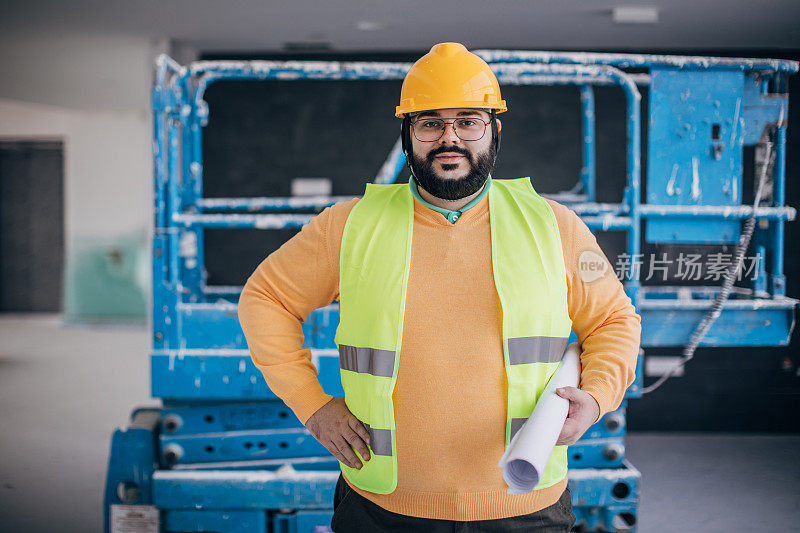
335 427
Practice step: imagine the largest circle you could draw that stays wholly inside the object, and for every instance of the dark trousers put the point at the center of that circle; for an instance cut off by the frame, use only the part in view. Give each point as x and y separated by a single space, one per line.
354 513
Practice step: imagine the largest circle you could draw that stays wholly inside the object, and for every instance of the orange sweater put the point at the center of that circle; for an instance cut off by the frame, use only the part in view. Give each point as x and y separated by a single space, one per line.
450 394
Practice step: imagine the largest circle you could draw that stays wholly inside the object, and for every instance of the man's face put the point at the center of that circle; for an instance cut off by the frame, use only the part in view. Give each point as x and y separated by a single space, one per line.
450 167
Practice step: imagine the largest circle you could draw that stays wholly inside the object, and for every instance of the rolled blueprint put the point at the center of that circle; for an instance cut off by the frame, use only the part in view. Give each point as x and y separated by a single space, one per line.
526 457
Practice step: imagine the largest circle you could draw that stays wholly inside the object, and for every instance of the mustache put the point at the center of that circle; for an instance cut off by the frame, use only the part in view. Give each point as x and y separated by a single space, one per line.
444 149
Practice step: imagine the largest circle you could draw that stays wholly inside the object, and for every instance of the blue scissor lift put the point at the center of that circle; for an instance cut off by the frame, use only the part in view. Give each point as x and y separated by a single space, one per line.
225 454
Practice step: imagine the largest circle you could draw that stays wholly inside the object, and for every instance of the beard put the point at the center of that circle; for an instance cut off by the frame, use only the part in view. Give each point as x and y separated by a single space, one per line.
480 167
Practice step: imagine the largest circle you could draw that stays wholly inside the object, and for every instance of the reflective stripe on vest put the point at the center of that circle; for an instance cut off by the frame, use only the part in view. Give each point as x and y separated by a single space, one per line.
536 350
529 275
380 440
367 360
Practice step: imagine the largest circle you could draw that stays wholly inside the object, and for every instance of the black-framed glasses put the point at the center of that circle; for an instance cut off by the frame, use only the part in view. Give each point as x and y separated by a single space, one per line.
429 129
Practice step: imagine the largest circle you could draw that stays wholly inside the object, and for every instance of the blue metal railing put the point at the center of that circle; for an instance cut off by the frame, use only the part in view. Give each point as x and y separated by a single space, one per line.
181 113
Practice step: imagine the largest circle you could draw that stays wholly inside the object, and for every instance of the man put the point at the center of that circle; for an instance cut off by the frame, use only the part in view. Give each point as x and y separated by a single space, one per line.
457 294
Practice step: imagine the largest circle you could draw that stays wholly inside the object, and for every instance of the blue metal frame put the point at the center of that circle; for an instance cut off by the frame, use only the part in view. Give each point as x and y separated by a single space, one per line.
587 123
131 463
182 213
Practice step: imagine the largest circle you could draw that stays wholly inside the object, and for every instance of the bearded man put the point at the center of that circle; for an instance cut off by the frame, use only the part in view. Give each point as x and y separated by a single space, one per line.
457 293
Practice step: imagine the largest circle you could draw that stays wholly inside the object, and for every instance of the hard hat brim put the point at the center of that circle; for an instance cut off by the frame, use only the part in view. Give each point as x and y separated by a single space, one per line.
403 110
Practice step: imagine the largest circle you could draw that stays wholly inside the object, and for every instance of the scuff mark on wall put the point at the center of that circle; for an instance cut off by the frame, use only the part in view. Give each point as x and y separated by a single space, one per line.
695 180
671 182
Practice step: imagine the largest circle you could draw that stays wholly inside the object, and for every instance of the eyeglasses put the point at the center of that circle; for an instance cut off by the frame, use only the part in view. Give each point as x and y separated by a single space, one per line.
429 129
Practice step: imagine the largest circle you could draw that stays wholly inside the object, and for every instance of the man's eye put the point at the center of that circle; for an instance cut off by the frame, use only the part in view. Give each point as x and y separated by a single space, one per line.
432 124
468 123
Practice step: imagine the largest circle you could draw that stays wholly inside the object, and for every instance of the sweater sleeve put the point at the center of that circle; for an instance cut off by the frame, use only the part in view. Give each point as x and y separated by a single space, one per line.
300 276
603 317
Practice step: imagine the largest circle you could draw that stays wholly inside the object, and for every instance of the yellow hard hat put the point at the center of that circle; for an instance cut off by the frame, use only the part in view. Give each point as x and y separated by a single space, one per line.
449 76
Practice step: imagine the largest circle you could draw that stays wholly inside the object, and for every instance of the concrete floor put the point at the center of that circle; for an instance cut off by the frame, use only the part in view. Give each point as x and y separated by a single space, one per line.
63 389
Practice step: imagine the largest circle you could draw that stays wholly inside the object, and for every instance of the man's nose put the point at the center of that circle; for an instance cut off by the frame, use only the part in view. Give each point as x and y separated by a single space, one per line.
449 135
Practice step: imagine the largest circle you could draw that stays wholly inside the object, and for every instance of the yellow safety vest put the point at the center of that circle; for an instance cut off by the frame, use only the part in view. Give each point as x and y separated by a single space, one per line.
530 278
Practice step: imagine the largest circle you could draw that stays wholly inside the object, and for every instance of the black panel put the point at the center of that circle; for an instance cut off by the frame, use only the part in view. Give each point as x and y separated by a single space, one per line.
31 226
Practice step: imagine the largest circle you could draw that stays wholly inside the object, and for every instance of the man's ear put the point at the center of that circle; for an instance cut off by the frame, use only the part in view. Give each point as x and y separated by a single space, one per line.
499 125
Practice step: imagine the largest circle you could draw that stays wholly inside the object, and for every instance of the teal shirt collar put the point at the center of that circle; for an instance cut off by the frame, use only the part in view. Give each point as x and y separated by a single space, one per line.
451 216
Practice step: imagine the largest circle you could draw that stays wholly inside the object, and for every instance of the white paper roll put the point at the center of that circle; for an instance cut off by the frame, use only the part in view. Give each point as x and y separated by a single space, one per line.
527 454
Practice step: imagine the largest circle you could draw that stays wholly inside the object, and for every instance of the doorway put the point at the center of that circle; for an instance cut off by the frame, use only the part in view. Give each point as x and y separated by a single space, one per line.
31 226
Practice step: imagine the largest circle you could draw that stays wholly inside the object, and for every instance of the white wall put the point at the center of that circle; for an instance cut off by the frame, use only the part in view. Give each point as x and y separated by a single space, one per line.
107 165
92 92
90 72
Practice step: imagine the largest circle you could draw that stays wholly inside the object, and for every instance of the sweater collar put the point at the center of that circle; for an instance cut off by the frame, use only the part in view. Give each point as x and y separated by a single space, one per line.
450 216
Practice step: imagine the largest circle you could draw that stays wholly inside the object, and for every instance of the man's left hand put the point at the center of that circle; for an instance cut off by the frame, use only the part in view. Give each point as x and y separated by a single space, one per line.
583 411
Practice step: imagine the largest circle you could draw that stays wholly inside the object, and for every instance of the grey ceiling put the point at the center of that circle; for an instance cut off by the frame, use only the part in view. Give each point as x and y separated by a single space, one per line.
415 24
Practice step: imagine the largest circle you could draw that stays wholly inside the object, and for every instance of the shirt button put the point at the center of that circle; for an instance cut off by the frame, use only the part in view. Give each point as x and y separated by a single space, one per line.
454 218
